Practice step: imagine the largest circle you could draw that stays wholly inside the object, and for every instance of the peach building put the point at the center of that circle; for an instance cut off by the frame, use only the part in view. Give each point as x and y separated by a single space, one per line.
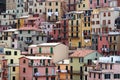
37 68
107 68
63 69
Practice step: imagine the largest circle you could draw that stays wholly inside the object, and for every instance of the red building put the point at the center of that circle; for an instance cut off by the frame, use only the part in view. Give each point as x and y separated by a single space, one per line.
4 68
103 44
37 68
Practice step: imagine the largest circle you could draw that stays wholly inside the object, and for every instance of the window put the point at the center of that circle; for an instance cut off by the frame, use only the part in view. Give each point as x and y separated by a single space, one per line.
71 60
50 4
89 74
11 61
4 16
116 76
15 52
8 52
88 24
24 78
56 3
46 71
94 75
100 38
80 59
105 1
40 50
13 69
99 76
114 37
109 14
51 50
109 22
24 61
107 76
83 5
104 14
85 68
35 70
56 10
97 22
24 70
110 66
20 32
105 66
13 78
28 31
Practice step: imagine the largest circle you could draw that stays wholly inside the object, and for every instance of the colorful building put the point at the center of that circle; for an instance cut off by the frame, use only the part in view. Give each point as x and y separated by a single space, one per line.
98 4
29 34
54 10
78 61
63 69
107 68
79 29
56 51
12 56
37 68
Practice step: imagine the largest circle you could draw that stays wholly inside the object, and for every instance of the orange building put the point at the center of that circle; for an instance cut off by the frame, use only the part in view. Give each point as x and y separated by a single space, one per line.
63 70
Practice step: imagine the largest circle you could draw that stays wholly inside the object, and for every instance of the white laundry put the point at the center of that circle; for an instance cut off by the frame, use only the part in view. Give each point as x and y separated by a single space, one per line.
49 13
56 13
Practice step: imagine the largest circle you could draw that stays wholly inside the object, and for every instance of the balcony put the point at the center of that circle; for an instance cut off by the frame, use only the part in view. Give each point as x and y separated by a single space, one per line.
76 72
105 49
41 65
28 41
37 74
62 71
112 42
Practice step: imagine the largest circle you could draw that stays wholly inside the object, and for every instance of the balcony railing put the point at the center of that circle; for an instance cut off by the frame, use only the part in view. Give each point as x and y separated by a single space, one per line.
37 74
28 41
41 64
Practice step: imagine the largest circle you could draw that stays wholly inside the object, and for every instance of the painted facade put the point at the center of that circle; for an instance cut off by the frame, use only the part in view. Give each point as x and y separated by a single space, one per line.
77 61
40 68
106 68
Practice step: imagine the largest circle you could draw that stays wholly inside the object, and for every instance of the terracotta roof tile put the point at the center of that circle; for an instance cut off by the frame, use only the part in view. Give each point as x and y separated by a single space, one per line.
81 53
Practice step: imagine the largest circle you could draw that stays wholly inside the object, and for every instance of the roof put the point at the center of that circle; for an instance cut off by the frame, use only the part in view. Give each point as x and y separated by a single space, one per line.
82 53
10 30
37 57
48 44
33 45
65 61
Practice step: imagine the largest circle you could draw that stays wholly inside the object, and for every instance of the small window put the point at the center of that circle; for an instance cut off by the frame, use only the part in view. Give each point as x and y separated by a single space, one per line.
24 61
51 50
11 61
28 31
50 4
24 70
15 53
24 78
13 69
56 3
71 60
83 5
13 78
40 50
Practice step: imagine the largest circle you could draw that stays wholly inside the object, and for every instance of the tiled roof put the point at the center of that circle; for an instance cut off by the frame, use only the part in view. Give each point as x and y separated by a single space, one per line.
48 44
81 53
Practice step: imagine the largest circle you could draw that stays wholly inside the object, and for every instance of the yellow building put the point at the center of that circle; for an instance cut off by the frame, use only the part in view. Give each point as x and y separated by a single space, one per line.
12 56
79 29
63 69
54 10
82 5
21 21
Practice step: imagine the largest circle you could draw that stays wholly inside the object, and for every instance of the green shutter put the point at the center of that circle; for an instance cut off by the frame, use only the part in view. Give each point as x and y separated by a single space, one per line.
40 50
51 50
46 70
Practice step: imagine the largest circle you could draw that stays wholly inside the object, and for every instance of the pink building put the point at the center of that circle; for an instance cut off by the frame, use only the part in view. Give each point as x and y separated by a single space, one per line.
106 69
37 68
99 3
103 44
